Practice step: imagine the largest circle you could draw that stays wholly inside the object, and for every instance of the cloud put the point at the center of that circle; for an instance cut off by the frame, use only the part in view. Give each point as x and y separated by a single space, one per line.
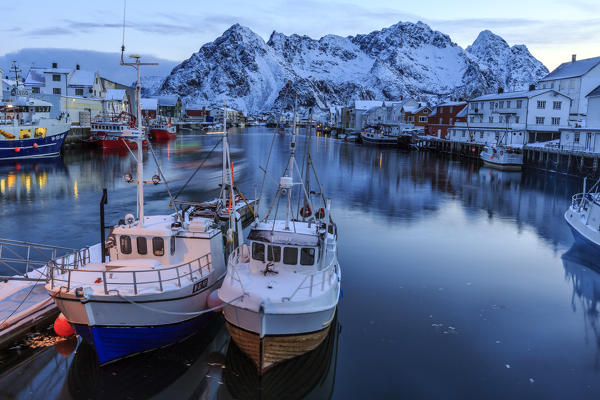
49 31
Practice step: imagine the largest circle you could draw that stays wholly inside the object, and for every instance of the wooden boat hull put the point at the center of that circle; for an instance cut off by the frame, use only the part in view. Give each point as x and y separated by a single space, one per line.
270 350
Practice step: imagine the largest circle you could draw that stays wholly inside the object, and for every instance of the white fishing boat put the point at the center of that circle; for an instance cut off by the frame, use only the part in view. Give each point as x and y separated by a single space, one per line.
147 286
282 289
503 156
583 217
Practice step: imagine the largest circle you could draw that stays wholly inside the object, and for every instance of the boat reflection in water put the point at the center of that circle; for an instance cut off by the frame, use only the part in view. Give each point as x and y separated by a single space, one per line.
583 270
309 376
31 177
189 369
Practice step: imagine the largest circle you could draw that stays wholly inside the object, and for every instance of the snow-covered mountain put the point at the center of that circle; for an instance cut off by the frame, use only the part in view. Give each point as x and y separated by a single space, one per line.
403 60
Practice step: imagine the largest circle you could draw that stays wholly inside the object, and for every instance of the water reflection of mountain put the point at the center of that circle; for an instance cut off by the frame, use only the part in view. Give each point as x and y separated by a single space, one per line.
310 376
189 369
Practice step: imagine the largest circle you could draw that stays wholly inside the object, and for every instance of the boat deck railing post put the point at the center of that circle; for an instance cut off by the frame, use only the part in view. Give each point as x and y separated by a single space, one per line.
160 283
104 281
134 283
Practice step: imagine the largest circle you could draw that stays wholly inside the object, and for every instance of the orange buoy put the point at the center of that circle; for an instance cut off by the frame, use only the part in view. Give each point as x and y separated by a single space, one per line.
17 149
35 145
62 327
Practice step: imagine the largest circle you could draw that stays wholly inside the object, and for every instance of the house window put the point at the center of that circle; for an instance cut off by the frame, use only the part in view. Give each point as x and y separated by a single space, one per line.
56 91
422 119
78 92
481 105
463 134
519 103
497 136
142 246
450 109
507 103
125 242
552 85
472 119
35 90
450 121
158 246
502 104
491 105
491 119
290 255
555 120
541 104
576 137
516 119
556 105
500 119
172 245
539 120
56 77
481 135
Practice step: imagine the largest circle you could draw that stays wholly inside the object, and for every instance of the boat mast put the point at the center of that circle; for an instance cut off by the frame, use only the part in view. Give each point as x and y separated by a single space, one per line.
140 134
290 168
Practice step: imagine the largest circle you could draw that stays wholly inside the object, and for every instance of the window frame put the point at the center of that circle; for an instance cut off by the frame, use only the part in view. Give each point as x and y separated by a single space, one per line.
122 248
314 255
158 252
255 245
141 239
273 253
292 249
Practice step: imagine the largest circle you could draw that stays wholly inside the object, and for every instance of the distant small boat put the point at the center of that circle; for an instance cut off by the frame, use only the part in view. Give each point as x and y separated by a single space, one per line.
161 129
113 132
583 217
502 157
371 136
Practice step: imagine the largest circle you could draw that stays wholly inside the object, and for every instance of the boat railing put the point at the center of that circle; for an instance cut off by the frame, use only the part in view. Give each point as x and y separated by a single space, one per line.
580 199
22 257
316 282
236 258
195 270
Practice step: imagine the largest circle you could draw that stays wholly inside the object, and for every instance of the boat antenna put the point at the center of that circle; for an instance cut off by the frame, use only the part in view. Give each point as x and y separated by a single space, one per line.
290 168
123 40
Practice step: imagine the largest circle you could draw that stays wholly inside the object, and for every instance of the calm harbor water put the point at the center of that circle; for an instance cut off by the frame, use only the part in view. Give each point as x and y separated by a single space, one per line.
458 281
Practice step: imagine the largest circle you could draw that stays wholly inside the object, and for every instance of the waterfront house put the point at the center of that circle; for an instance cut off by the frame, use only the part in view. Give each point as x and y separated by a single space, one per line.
52 80
354 116
514 118
169 106
443 117
574 79
197 113
149 108
84 84
585 138
416 116
115 101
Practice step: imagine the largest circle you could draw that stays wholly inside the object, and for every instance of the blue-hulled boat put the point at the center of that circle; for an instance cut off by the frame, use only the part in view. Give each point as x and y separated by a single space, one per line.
27 131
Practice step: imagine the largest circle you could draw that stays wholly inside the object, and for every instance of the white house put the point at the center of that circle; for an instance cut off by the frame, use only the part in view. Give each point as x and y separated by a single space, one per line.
84 84
585 139
575 79
48 80
115 101
513 118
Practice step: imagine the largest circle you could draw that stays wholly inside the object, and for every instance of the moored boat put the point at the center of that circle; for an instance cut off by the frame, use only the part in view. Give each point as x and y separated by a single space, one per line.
27 131
114 132
281 291
502 156
375 137
161 129
583 217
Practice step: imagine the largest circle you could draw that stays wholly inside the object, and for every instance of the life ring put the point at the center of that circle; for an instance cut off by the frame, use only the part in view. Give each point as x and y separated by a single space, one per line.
306 211
320 214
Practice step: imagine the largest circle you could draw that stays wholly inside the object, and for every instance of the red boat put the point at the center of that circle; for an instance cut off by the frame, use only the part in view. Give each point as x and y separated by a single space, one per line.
113 132
162 130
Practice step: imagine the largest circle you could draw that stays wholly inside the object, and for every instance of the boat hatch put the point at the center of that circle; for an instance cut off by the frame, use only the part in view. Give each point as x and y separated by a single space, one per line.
291 255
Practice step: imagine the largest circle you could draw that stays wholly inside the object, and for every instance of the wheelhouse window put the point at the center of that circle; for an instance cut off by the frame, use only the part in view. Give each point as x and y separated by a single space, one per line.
158 246
125 243
274 253
172 245
142 245
307 256
290 255
258 251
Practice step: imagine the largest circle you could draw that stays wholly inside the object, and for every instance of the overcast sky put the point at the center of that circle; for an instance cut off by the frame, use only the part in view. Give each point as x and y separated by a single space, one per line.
551 29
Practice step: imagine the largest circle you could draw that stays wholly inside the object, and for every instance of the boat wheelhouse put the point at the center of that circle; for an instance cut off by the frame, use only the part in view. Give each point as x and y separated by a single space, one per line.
502 157
583 217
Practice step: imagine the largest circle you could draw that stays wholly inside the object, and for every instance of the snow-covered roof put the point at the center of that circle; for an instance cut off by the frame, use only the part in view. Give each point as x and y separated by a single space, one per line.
35 76
411 109
594 93
194 107
9 82
169 101
149 104
367 104
515 95
572 69
452 104
82 78
462 113
115 94
57 70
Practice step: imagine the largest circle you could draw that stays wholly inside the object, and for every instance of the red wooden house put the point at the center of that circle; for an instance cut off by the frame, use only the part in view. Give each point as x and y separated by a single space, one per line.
443 117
